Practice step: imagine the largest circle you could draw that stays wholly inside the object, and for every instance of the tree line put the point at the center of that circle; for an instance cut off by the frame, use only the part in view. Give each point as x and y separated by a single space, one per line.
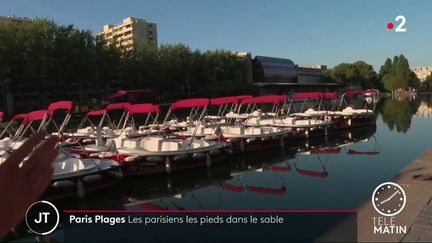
393 75
46 58
41 56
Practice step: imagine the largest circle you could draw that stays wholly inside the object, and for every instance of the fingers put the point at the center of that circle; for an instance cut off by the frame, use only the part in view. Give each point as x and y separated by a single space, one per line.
42 157
25 149
41 182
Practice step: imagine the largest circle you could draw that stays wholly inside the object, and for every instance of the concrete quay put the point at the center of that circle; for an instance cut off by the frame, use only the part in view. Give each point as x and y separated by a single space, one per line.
416 180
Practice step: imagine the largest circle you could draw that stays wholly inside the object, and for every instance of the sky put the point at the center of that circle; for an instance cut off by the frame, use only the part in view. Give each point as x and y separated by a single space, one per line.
308 32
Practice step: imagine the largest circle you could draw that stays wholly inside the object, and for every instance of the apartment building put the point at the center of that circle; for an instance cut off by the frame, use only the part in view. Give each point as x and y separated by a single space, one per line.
131 33
422 72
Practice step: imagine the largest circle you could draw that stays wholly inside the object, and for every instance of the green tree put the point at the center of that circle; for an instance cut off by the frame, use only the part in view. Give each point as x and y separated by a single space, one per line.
55 61
357 73
397 74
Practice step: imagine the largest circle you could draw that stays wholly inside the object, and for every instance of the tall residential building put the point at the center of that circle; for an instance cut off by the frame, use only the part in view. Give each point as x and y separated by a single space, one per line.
130 33
422 72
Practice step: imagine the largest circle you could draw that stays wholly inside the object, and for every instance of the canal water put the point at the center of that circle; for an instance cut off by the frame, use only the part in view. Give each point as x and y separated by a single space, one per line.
337 173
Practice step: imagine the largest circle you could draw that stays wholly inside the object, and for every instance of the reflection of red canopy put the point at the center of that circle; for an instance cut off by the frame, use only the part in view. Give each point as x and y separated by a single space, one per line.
312 173
143 108
267 99
326 151
275 191
278 168
231 187
189 103
96 113
151 206
307 95
355 152
60 105
330 95
117 106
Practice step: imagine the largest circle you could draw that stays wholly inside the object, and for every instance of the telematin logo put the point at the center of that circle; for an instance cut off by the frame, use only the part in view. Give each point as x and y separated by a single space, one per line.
42 217
388 199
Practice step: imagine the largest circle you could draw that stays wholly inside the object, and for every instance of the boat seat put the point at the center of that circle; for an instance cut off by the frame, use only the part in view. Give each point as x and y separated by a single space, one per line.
267 129
254 121
196 143
255 130
200 131
86 130
132 143
239 130
170 146
152 144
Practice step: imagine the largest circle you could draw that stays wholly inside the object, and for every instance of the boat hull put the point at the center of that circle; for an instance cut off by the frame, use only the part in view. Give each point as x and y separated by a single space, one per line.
81 185
157 163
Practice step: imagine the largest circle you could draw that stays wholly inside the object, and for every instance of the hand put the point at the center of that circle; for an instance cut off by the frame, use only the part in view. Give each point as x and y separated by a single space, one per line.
21 186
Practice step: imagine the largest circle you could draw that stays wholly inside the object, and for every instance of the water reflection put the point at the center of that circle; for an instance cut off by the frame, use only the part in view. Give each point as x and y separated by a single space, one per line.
398 113
260 174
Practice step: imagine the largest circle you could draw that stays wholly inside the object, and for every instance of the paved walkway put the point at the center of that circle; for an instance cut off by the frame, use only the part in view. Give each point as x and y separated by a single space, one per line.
421 230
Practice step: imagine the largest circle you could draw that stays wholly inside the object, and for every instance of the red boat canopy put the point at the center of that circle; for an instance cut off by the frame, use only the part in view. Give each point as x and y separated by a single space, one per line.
371 91
307 95
35 116
197 102
224 100
229 99
96 113
60 105
2 115
19 116
143 108
354 92
242 97
267 99
117 106
330 95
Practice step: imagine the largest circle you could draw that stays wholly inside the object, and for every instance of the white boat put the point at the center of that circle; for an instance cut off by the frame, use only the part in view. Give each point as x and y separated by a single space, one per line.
303 126
162 152
246 138
88 128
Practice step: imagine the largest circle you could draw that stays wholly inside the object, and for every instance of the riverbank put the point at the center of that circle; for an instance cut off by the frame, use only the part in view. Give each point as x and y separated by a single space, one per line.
416 180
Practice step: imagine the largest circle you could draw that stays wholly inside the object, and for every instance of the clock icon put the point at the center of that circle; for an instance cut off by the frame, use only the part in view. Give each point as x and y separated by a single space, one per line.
388 199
